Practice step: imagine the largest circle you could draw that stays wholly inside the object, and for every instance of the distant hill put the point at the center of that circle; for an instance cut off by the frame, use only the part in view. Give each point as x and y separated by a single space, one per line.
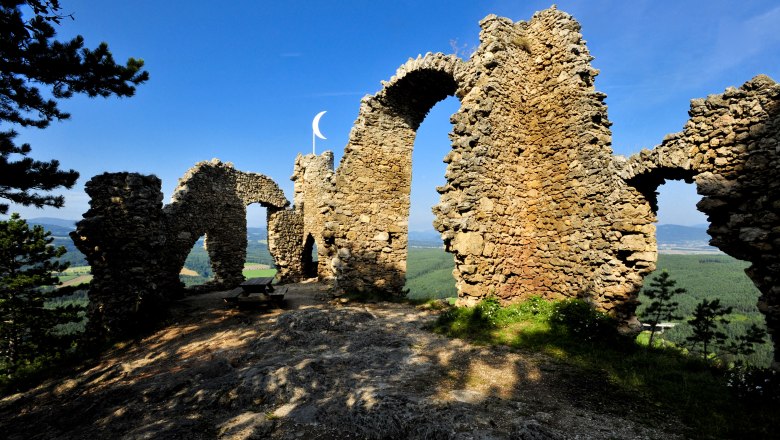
668 236
674 234
57 227
425 239
257 233
64 223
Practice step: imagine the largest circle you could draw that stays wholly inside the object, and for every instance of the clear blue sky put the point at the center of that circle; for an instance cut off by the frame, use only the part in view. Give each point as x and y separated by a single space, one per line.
242 80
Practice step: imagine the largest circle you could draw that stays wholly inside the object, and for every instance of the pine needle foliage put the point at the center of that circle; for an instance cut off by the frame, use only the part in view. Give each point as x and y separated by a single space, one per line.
31 59
28 324
661 308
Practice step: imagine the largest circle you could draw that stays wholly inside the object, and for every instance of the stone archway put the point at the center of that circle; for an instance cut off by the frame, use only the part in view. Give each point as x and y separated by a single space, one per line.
211 199
367 226
731 149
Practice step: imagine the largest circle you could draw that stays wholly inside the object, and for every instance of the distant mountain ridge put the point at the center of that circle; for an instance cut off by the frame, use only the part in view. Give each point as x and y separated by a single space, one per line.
675 234
667 234
45 221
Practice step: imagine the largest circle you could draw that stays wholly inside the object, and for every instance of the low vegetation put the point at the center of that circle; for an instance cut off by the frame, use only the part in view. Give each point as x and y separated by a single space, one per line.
35 317
707 276
711 400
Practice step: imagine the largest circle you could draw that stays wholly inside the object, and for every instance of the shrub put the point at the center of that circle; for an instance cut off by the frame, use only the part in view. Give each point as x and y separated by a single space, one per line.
583 322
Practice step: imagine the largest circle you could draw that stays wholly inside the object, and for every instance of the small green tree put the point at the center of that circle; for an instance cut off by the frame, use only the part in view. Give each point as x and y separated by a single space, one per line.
744 345
662 307
706 317
27 325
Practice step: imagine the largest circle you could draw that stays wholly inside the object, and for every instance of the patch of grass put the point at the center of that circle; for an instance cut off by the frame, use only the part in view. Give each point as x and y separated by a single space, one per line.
256 273
78 270
705 398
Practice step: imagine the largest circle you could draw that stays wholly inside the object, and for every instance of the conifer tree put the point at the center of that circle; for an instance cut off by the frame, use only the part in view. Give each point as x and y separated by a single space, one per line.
706 317
27 323
31 58
662 308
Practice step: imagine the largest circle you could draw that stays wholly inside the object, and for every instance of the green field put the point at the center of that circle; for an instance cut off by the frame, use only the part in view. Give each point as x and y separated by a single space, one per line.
255 273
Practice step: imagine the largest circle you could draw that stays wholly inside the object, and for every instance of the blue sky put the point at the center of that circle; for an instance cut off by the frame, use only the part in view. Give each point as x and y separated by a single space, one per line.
242 80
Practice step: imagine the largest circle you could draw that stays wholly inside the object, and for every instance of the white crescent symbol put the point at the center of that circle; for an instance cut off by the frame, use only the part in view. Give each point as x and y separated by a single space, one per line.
315 125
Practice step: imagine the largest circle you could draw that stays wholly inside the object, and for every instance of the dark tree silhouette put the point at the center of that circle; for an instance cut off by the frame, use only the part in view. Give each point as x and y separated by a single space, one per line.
662 307
27 319
30 59
706 317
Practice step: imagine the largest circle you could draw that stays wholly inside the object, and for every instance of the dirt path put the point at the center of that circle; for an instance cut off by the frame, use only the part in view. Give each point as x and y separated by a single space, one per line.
319 369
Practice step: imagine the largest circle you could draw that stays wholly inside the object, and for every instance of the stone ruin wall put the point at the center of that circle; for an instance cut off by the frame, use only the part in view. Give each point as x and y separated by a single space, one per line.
531 199
368 213
313 198
123 238
137 247
211 200
730 147
534 204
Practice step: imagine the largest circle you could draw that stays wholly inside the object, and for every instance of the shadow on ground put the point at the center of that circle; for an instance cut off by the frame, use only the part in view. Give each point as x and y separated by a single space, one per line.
319 369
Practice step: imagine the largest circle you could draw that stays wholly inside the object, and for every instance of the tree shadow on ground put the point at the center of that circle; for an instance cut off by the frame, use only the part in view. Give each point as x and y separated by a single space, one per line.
320 370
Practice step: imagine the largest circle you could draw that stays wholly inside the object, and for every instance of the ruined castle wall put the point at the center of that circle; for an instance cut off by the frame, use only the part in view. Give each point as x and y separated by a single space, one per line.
137 248
205 203
122 238
730 147
369 219
285 243
530 198
314 189
211 200
531 194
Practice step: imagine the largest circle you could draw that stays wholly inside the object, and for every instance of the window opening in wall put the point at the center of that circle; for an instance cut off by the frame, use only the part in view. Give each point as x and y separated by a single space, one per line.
703 271
197 266
428 266
259 262
309 258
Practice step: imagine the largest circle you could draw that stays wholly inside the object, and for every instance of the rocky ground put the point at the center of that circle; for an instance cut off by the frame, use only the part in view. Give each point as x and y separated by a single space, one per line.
323 369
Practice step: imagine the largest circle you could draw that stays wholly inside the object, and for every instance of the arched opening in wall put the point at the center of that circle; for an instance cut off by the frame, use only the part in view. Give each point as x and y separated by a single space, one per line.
197 267
259 262
428 266
704 272
309 258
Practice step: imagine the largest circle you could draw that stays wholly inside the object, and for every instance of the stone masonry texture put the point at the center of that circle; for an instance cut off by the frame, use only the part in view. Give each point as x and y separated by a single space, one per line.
534 203
137 247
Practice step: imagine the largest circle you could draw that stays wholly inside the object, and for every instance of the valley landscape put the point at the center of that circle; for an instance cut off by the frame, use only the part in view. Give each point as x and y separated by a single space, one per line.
545 293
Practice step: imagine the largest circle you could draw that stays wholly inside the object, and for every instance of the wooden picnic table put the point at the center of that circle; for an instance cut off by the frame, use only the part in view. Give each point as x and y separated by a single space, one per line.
257 285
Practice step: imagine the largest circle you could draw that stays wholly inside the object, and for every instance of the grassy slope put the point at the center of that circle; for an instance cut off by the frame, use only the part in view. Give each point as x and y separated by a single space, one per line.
712 402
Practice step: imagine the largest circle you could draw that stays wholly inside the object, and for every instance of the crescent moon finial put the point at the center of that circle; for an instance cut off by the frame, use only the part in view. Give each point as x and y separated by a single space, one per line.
315 125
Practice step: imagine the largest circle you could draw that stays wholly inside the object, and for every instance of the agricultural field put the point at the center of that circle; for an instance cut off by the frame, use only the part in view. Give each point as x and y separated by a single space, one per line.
79 274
